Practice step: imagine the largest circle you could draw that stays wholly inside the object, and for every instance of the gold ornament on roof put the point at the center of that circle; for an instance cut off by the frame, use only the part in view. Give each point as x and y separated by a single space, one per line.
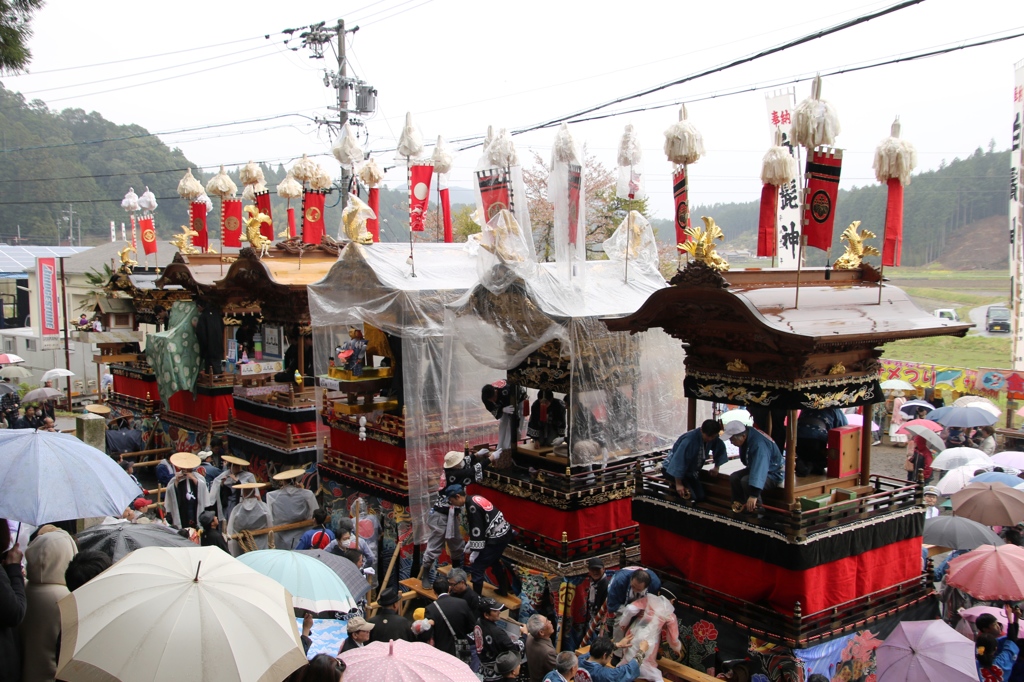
253 220
701 244
837 368
354 218
127 263
737 365
855 247
183 241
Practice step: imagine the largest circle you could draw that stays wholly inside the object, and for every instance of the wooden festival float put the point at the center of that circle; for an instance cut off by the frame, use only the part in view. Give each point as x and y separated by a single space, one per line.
833 554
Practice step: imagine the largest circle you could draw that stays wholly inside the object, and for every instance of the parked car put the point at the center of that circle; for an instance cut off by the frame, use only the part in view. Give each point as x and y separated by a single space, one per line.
947 314
997 319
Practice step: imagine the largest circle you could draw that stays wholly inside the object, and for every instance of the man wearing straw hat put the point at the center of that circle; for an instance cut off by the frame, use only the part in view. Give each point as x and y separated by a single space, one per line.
290 504
222 489
251 513
186 493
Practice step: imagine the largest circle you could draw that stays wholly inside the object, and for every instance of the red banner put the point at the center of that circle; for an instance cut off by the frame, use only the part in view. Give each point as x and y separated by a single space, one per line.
313 216
575 183
766 240
134 244
419 195
263 206
373 225
46 271
446 214
822 175
291 222
892 249
148 231
197 218
494 193
231 222
681 191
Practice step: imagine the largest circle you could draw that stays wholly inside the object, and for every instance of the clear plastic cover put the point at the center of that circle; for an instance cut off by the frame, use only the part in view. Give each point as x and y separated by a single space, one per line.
633 241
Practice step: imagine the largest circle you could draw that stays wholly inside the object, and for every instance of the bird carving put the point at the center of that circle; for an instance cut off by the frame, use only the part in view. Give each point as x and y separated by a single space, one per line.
701 244
856 250
354 218
183 240
253 220
127 263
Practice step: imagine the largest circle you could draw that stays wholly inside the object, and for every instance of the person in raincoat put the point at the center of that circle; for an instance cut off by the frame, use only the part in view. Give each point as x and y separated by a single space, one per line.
289 504
46 559
222 489
657 616
251 513
187 495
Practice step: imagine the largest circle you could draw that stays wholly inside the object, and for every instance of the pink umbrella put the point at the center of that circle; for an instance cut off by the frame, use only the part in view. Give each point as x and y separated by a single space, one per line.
401 661
858 420
927 423
1009 458
924 651
989 573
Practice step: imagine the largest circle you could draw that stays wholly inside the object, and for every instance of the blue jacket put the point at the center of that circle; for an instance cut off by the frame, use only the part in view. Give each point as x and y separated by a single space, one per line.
762 456
689 453
815 424
306 541
1006 656
600 673
555 676
618 587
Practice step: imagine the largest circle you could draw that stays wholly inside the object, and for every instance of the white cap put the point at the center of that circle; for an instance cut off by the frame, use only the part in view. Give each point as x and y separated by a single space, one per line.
735 428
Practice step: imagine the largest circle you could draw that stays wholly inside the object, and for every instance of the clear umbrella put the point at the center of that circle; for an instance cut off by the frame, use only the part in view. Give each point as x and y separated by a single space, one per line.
41 395
313 585
1009 458
925 651
58 373
926 433
955 480
897 385
960 457
15 372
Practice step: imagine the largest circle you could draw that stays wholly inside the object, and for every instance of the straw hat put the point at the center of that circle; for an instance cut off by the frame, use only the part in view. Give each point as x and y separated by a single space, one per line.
288 475
185 460
97 409
235 460
453 459
248 486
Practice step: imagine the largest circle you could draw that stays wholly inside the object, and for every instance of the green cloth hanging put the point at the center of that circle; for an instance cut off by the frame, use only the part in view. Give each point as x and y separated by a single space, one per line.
174 354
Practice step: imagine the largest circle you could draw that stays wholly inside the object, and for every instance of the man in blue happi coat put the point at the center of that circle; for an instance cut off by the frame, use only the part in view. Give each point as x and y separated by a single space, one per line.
763 466
690 452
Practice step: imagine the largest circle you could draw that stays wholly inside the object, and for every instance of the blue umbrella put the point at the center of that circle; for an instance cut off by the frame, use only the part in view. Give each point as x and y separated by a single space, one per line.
963 417
997 477
47 476
313 585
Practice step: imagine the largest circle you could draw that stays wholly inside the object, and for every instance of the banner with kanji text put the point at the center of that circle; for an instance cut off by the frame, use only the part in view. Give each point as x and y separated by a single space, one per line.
780 106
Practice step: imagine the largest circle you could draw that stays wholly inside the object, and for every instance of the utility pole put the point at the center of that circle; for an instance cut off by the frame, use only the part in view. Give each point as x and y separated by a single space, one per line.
339 30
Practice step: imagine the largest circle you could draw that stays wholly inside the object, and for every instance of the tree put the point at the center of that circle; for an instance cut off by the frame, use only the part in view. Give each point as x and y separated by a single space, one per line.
15 30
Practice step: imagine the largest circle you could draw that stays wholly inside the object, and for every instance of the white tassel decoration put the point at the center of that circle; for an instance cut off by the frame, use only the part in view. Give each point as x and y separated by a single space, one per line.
894 158
188 187
501 152
815 121
683 142
322 179
779 166
130 202
630 153
347 150
410 144
249 193
250 174
147 202
289 188
305 169
564 148
442 157
203 199
220 185
370 173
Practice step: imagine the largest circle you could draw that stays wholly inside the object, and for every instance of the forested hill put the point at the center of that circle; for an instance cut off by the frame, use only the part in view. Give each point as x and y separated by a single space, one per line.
937 204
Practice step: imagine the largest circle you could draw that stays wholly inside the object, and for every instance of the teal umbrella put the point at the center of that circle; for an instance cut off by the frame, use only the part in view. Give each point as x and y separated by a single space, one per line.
313 585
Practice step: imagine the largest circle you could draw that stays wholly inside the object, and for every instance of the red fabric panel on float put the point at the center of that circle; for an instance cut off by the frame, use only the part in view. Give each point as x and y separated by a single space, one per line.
373 224
263 206
136 388
276 425
231 222
766 239
757 581
823 169
549 522
372 451
892 250
202 406
197 216
313 216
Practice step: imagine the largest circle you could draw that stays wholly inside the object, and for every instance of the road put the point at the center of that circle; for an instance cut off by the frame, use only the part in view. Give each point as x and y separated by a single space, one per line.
977 316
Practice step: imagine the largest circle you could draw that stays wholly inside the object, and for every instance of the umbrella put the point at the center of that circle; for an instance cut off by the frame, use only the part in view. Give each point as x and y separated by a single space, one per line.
1009 458
7 388
313 585
858 420
8 358
997 477
971 614
927 434
897 385
925 423
961 457
956 532
15 372
57 373
401 661
117 540
923 651
989 573
349 573
965 400
41 395
910 407
963 417
955 480
993 504
740 415
165 614
48 476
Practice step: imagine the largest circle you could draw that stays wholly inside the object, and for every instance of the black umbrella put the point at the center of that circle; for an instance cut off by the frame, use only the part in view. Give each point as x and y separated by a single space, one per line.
116 540
349 573
957 532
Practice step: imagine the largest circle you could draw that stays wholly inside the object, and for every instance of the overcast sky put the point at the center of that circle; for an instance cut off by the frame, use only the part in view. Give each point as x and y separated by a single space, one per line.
459 65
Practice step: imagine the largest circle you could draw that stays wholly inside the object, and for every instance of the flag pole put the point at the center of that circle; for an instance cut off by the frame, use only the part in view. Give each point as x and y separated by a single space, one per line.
408 174
799 268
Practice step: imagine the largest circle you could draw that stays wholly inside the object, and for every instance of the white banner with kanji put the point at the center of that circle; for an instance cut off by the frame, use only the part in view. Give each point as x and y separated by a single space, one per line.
780 110
1017 216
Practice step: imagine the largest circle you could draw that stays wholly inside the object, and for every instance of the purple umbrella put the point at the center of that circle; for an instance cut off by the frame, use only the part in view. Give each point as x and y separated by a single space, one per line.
923 651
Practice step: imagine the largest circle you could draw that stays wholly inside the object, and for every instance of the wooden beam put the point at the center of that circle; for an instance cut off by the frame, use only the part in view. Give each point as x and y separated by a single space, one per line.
866 440
691 414
791 457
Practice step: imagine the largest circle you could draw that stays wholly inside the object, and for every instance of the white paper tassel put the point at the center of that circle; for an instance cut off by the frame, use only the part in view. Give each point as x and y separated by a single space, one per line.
502 151
779 166
410 144
346 149
564 148
305 169
188 187
251 174
220 185
202 198
130 202
488 139
289 188
249 193
630 153
815 121
147 202
442 157
894 158
683 142
370 173
322 179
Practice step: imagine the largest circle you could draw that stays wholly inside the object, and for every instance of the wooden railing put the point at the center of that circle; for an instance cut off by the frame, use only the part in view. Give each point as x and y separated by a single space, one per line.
370 471
568 486
570 550
282 439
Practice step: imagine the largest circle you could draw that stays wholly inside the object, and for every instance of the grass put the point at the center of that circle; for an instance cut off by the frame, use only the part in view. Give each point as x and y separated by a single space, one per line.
938 273
958 297
971 352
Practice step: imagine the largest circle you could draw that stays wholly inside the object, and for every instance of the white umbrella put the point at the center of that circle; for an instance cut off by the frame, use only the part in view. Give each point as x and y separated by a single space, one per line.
961 457
976 401
897 385
740 415
57 373
955 480
166 614
41 395
1009 458
15 372
47 476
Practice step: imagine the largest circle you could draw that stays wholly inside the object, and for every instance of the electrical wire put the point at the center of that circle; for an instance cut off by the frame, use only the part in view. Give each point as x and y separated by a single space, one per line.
408 9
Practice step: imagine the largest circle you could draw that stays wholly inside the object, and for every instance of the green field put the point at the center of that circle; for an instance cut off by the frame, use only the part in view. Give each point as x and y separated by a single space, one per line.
970 352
